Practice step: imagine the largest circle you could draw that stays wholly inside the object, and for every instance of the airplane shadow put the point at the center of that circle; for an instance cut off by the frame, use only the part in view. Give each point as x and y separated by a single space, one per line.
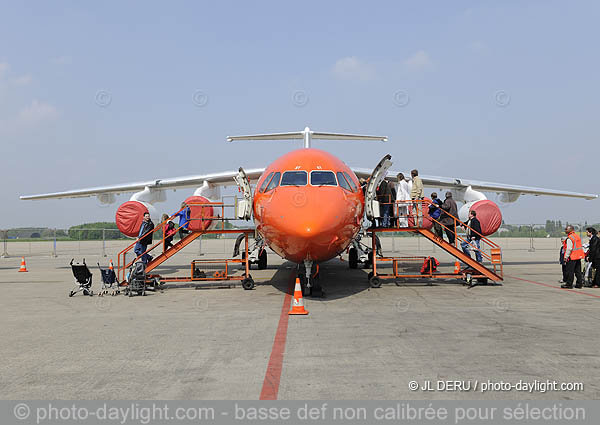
337 282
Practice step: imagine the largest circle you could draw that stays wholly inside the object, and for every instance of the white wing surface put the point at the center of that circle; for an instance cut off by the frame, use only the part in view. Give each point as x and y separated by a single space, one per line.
219 179
456 183
226 179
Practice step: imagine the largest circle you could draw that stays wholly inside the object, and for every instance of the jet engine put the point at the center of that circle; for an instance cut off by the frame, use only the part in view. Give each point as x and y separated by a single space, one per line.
488 214
130 215
427 222
201 216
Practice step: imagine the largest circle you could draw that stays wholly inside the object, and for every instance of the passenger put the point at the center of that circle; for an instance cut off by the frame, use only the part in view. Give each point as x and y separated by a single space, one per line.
390 196
561 259
363 185
473 231
594 256
416 194
184 220
402 195
573 255
435 213
448 216
142 244
168 231
385 195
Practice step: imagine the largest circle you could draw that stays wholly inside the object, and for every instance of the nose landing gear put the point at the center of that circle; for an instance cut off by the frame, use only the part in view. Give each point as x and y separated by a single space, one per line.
310 281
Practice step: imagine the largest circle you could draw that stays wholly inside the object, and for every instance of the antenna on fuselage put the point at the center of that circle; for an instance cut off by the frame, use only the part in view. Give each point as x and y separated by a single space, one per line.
307 135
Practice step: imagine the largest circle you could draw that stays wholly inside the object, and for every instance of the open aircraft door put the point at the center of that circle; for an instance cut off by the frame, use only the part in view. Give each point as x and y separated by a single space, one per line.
371 203
244 206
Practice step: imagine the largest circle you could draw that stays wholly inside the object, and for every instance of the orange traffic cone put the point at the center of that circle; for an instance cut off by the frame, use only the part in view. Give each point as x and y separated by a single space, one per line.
110 265
23 265
298 301
456 267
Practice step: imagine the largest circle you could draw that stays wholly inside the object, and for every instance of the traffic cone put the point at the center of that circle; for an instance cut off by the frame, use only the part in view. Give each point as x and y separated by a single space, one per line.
110 265
456 267
298 301
23 265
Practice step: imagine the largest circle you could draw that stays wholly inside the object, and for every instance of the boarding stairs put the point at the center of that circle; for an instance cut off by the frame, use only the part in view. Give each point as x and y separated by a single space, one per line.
123 264
409 216
482 271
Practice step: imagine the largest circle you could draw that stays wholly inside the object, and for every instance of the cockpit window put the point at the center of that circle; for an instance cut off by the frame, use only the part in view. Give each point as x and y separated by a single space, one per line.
294 178
322 178
265 182
274 182
343 182
350 181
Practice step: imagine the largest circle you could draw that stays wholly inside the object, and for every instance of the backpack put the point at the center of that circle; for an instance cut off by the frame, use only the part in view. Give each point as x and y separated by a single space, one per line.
434 209
429 265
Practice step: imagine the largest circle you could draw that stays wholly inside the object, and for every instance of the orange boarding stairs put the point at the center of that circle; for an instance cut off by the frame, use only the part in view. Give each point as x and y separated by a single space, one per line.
123 264
495 273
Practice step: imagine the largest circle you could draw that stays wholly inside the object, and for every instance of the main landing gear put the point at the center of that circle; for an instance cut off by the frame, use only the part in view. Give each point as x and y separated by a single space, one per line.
257 253
359 253
310 281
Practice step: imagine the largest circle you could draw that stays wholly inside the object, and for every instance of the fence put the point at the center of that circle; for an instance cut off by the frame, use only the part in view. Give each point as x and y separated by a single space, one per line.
57 242
107 242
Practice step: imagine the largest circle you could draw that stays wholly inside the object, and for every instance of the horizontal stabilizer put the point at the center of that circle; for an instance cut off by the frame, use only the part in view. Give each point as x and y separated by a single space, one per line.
307 135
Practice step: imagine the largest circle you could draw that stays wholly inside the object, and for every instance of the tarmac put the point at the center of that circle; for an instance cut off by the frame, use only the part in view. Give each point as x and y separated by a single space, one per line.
192 342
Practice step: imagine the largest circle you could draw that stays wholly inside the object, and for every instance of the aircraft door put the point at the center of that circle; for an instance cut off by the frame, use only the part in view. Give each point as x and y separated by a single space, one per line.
371 204
244 206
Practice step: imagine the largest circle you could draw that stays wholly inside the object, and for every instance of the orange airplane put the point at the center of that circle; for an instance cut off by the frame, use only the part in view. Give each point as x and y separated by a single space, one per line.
307 205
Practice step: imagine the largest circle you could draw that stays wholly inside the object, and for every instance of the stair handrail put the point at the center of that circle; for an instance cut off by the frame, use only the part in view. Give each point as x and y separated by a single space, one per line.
426 202
123 252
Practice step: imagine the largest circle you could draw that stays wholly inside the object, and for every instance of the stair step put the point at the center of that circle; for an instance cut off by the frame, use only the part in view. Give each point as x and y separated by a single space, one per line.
455 252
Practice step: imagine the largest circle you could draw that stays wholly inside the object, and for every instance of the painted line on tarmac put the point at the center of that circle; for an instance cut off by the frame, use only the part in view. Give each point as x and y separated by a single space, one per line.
576 291
270 387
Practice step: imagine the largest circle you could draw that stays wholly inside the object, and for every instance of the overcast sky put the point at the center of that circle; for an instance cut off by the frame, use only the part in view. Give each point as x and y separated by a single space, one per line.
95 93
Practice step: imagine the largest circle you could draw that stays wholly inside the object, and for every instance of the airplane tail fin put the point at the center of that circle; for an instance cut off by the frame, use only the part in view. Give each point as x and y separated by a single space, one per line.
307 135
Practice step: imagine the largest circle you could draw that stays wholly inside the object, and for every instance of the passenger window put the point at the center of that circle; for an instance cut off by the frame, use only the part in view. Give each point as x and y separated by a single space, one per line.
294 178
343 182
274 182
354 188
322 178
265 182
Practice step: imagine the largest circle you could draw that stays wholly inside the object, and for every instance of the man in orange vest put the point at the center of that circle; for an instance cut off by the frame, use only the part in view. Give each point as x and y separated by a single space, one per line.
573 255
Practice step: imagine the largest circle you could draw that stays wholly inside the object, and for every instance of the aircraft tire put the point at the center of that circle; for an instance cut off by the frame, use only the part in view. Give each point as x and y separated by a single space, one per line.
262 260
352 258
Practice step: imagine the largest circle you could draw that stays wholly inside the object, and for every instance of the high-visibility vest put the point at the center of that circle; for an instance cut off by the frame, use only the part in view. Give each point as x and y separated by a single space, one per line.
577 252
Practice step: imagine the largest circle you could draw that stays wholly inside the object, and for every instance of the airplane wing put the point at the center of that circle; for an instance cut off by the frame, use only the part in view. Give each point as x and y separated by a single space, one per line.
226 179
455 183
219 179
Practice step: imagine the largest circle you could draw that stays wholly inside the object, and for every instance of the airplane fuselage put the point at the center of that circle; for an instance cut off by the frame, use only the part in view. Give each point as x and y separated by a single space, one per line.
308 205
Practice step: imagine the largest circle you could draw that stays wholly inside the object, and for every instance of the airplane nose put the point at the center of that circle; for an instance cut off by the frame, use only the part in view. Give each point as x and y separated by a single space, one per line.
310 223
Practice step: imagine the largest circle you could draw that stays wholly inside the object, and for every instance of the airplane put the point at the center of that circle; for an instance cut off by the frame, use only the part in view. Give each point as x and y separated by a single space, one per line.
307 205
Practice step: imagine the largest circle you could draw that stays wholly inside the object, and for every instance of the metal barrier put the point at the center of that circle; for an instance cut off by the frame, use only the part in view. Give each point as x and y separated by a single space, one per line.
109 241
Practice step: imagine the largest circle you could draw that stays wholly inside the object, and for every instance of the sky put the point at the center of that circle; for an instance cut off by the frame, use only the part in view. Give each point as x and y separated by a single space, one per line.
97 93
